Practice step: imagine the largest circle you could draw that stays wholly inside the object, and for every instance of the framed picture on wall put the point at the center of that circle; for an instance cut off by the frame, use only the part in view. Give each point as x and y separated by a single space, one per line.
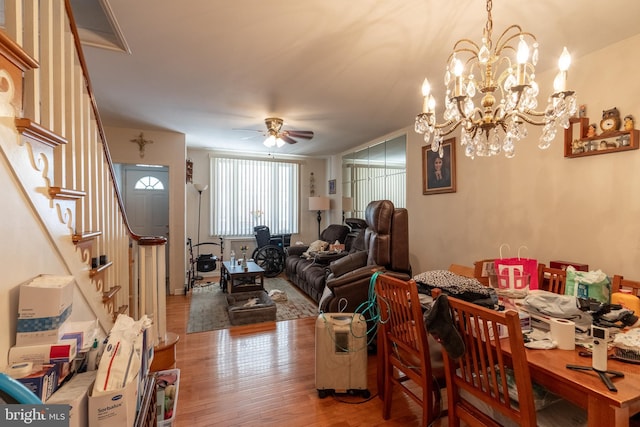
332 186
439 173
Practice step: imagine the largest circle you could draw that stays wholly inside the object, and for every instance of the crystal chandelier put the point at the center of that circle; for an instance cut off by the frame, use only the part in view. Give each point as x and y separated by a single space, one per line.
507 90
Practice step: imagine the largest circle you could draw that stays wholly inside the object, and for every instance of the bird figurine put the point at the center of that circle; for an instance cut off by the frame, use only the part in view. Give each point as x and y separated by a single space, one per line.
628 122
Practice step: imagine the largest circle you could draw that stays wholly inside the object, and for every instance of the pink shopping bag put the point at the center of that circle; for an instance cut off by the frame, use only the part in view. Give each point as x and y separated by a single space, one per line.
517 273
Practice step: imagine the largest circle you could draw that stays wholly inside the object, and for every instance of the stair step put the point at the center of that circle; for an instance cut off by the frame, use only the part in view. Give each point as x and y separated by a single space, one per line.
95 271
36 132
85 236
108 296
60 193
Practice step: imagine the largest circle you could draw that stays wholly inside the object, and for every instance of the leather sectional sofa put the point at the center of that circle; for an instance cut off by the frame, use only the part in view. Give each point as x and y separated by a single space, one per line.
342 285
308 273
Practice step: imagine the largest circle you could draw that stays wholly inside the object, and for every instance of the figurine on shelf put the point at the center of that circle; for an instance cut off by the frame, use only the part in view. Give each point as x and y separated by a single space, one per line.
578 146
628 122
591 131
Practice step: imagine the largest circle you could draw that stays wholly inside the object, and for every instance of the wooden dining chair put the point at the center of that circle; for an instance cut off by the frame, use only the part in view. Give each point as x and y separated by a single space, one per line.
552 279
476 382
462 270
619 283
626 292
406 356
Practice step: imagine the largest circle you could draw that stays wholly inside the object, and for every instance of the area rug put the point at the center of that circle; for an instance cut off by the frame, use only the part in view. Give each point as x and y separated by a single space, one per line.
208 309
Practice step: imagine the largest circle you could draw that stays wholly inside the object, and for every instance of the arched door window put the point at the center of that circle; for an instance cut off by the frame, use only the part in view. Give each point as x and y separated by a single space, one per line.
149 183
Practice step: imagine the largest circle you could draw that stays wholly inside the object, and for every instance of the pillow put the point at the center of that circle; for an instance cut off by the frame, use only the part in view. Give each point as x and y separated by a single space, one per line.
316 246
349 263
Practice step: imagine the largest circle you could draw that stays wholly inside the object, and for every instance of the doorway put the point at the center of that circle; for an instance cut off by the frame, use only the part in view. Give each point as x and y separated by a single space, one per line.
145 193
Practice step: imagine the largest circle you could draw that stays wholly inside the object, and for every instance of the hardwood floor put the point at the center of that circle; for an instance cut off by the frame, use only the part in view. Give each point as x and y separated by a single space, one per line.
264 375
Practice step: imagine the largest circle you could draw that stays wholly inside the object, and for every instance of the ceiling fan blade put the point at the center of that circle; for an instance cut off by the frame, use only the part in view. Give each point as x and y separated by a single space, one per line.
287 139
306 134
249 130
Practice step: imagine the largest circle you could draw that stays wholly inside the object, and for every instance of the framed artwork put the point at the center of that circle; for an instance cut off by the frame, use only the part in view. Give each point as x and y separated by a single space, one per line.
439 173
332 186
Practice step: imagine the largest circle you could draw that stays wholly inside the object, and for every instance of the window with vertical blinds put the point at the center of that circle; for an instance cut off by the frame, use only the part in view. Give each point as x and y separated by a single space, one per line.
247 192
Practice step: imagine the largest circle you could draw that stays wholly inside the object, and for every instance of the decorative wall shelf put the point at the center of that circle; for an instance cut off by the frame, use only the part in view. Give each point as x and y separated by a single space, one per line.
607 142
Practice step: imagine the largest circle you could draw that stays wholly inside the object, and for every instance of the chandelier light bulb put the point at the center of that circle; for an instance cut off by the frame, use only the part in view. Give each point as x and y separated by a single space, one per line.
426 87
457 67
565 60
426 90
523 51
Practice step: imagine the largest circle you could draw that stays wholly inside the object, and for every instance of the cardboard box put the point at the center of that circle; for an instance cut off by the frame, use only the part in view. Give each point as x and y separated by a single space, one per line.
43 306
39 337
46 296
42 383
62 351
75 393
114 408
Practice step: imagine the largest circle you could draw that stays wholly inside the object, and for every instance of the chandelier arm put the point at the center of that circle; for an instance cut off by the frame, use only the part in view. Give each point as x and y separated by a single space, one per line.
459 107
505 73
501 44
525 117
477 122
471 42
534 113
448 123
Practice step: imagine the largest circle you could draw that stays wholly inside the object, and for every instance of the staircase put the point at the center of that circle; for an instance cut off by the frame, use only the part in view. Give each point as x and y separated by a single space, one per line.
58 164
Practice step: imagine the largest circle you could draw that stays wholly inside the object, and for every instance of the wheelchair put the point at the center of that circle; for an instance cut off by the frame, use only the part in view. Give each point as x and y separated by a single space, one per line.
270 252
201 263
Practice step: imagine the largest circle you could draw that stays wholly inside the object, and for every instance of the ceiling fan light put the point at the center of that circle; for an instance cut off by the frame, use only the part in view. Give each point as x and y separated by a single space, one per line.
279 142
270 141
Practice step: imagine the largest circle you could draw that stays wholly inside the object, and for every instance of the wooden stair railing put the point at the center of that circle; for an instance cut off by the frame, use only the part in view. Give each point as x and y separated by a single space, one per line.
63 166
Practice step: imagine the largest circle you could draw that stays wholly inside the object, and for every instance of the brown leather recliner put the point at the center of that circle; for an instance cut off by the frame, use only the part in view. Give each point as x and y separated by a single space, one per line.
386 248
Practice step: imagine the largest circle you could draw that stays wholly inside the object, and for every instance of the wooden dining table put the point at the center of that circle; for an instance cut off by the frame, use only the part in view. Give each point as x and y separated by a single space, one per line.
585 388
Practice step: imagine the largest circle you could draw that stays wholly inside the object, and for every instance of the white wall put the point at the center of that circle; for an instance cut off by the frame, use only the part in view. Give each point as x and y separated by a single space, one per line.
578 209
167 149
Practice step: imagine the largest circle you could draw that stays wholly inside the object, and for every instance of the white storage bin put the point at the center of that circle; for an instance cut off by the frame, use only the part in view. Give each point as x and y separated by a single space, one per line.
166 405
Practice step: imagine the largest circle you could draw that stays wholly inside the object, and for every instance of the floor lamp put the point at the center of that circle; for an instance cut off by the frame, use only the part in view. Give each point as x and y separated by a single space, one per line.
200 188
319 204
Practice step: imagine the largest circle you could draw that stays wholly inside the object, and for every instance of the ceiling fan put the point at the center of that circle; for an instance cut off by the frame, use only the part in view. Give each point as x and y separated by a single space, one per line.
277 137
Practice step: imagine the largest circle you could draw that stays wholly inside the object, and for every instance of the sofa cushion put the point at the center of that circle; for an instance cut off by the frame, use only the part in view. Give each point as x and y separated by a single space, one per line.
335 232
348 263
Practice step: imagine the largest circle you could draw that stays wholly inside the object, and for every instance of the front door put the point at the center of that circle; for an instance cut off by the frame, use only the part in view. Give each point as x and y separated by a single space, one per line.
146 200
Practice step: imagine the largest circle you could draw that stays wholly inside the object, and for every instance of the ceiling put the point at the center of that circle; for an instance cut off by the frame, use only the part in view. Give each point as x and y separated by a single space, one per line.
350 71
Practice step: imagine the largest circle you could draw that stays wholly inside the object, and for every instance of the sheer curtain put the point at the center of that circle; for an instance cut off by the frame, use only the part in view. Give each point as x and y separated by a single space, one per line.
250 192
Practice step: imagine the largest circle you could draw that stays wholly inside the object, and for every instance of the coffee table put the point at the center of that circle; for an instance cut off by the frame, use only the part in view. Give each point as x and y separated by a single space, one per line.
235 278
